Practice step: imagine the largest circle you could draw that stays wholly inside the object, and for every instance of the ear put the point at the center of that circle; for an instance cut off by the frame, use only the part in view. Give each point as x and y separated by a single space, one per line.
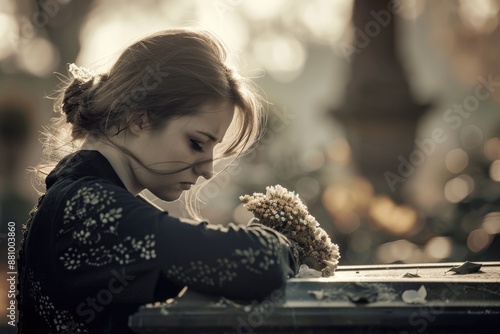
138 122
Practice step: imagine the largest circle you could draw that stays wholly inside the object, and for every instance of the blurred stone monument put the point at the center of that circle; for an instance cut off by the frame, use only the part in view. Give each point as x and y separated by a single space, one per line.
378 113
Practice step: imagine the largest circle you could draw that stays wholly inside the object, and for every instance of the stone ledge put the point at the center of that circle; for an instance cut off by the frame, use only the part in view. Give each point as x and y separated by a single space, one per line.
358 299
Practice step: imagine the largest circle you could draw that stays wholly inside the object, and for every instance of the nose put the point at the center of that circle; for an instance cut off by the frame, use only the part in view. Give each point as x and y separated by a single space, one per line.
204 169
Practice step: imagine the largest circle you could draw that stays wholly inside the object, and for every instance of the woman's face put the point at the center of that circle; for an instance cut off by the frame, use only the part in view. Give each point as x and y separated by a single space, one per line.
182 142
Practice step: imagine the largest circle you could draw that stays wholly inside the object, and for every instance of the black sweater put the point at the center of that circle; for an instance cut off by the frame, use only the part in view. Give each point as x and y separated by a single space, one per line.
94 253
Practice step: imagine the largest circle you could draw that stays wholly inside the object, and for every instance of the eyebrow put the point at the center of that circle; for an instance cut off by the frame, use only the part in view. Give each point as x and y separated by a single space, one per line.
210 136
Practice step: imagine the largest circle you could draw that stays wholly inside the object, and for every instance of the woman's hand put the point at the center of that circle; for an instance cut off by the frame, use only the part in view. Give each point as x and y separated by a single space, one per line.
284 212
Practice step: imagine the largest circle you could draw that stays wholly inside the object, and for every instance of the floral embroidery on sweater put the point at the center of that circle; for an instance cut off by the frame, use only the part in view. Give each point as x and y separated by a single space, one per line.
92 215
62 320
225 269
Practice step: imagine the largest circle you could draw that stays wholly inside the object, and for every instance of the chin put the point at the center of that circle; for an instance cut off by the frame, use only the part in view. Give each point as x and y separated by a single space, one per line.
172 196
169 197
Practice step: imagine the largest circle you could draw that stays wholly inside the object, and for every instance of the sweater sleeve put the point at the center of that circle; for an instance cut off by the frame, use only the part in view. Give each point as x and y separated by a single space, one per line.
106 232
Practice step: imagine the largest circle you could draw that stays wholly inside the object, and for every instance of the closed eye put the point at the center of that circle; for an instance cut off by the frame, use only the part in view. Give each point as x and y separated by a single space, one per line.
196 146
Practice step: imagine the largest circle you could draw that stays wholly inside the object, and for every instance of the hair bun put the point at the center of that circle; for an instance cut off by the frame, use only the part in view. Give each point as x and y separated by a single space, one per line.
79 94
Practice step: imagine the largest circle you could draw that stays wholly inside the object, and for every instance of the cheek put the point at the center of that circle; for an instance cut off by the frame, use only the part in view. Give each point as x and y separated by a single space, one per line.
177 151
169 158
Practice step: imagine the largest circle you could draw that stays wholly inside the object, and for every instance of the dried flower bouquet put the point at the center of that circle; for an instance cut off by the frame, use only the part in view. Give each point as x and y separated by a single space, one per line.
283 211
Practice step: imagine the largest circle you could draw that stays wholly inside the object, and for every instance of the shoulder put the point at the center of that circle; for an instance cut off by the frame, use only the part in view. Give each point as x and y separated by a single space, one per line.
91 199
93 195
89 189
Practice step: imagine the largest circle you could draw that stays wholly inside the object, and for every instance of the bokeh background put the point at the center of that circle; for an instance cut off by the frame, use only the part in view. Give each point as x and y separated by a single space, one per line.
383 115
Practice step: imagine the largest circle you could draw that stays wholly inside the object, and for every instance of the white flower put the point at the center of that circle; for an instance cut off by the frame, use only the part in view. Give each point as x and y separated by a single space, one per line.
276 191
302 226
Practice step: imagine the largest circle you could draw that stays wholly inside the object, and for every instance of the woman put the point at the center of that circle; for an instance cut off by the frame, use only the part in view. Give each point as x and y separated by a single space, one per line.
94 249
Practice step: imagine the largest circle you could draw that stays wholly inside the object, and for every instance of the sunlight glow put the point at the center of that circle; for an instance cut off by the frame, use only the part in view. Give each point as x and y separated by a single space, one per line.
495 170
439 247
399 250
491 148
38 57
397 219
339 199
260 9
478 240
480 14
281 54
8 35
339 152
325 19
456 160
491 223
458 188
108 30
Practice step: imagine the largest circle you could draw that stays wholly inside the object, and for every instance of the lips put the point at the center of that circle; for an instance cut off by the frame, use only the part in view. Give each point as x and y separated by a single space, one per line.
186 185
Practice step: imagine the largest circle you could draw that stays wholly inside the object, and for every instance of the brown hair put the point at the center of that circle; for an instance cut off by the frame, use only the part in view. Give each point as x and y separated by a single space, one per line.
165 75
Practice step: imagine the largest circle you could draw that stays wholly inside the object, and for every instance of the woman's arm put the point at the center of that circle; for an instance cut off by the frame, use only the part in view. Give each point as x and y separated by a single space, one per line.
105 228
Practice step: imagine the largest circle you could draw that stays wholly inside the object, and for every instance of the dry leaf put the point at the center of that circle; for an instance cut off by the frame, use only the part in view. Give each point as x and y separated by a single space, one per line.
318 294
414 296
467 268
410 275
306 272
